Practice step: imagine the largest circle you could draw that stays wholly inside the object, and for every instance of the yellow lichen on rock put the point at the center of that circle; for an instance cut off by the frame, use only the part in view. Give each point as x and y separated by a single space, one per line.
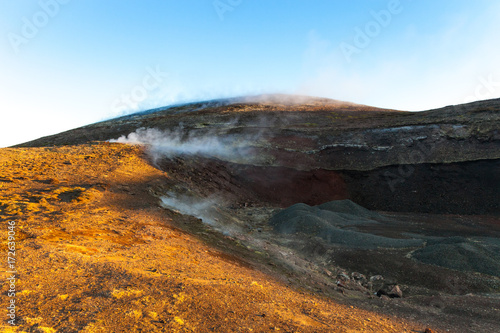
179 320
47 329
137 314
120 293
33 321
254 283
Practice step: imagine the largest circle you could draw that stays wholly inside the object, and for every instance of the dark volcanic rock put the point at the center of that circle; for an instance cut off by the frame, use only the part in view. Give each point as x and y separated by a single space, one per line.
442 161
450 188
392 291
333 222
395 292
481 255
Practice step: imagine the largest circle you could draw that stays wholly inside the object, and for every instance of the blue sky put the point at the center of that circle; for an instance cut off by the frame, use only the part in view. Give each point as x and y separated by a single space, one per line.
68 63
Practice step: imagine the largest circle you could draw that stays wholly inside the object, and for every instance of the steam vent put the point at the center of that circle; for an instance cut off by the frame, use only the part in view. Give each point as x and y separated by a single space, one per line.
258 214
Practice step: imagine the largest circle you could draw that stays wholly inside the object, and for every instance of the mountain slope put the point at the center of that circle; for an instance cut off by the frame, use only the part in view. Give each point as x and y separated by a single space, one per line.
178 230
374 137
96 253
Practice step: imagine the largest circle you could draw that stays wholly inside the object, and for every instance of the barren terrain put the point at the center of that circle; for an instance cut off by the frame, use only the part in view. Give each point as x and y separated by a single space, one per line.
96 253
260 214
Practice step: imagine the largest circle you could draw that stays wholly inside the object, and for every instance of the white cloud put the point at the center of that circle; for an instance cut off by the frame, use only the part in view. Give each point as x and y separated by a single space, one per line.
446 68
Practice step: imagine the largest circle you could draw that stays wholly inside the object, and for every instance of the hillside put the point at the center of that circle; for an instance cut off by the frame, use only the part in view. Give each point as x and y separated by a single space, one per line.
97 253
410 161
265 213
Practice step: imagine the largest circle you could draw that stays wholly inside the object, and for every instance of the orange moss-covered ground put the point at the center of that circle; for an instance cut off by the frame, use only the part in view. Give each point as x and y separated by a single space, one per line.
96 253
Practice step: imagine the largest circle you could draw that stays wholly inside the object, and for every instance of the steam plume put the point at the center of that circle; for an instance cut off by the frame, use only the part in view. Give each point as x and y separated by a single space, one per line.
175 143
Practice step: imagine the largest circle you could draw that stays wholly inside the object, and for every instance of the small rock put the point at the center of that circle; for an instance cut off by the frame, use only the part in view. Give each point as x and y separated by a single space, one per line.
428 330
343 276
358 277
395 292
340 284
376 278
376 282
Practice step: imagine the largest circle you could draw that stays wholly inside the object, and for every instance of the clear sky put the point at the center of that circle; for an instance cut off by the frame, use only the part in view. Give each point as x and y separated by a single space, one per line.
68 63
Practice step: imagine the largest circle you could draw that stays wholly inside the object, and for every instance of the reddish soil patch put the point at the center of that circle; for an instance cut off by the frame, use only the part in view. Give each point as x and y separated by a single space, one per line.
285 186
249 184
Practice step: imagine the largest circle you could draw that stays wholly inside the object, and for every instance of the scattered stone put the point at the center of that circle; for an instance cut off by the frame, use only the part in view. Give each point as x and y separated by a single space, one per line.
390 291
428 330
376 282
358 277
343 276
340 284
395 292
376 278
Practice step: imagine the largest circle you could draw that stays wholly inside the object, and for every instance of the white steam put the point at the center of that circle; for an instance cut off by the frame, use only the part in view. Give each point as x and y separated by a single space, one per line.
175 143
205 209
208 210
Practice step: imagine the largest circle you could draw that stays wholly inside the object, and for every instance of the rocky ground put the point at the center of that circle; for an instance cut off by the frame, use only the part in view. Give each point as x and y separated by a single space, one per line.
95 252
258 214
355 252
